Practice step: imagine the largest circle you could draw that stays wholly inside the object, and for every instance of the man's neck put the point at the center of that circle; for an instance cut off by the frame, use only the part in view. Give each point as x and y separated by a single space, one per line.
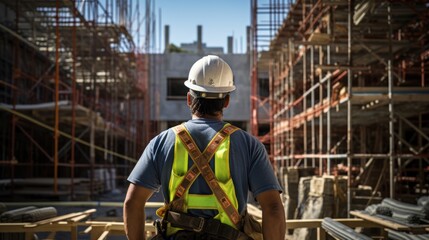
207 116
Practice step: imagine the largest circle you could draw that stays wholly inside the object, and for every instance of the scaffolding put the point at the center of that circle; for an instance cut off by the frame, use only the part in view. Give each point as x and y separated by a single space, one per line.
72 92
348 91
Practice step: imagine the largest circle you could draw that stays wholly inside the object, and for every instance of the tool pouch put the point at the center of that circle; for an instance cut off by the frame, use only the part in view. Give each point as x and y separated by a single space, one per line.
158 237
251 227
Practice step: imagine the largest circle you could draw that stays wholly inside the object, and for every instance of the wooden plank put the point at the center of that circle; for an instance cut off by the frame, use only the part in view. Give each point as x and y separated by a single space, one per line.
118 225
385 223
321 234
96 231
317 223
73 232
303 223
20 227
254 211
60 218
78 218
357 222
100 230
87 230
105 232
104 235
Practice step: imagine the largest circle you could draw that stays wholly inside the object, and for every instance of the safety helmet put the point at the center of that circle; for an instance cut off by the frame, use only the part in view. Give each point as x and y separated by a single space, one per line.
210 77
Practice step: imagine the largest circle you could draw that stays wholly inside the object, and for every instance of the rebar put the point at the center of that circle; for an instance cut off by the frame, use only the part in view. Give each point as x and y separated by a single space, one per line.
39 214
378 209
395 235
341 231
15 214
405 208
424 202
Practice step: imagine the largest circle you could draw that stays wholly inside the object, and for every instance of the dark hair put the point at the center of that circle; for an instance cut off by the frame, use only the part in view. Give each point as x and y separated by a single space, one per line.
203 106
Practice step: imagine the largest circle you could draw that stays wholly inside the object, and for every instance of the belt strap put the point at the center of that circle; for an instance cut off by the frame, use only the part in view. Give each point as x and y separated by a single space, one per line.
201 165
202 225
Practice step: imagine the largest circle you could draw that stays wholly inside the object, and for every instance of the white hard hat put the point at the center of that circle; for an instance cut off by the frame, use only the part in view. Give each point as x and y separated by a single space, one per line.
210 74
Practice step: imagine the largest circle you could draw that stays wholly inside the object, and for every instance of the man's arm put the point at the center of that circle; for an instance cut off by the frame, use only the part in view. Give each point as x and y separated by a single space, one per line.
134 216
273 215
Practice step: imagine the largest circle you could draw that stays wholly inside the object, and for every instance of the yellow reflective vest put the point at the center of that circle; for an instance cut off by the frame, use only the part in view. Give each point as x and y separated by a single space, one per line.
203 201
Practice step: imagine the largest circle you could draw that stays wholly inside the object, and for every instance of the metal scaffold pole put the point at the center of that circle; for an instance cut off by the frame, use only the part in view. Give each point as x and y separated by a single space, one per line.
349 106
313 124
291 100
320 143
391 113
304 88
74 102
328 88
57 84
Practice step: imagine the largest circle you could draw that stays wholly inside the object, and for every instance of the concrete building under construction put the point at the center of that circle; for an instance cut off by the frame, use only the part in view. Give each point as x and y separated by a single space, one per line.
338 95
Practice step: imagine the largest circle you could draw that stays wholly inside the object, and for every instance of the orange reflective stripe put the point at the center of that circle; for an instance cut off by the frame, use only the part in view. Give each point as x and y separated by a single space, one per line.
201 160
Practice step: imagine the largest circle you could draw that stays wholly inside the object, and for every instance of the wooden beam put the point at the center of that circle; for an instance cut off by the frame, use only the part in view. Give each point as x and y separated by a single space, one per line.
388 224
60 218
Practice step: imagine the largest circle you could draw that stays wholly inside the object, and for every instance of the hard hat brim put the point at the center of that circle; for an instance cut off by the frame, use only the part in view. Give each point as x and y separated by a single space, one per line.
208 89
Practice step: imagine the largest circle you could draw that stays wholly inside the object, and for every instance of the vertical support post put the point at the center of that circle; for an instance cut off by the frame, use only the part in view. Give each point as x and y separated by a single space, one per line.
328 113
291 100
74 232
363 143
321 112
146 65
285 86
73 128
92 82
254 77
422 66
15 92
349 106
200 39
421 173
391 113
105 95
304 89
400 132
313 127
57 85
271 78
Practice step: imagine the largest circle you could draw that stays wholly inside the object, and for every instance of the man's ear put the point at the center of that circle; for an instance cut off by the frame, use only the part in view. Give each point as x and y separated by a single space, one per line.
226 104
188 99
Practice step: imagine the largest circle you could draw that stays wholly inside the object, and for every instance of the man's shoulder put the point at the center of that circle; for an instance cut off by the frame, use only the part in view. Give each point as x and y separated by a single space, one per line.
244 134
162 137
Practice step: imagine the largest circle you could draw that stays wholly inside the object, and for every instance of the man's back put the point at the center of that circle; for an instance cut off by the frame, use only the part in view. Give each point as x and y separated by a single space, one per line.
249 168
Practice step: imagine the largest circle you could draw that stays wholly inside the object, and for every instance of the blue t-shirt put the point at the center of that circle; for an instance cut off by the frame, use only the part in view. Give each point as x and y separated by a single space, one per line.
249 164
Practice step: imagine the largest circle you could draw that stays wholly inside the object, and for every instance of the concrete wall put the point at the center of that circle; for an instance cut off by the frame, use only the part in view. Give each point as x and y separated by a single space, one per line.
177 65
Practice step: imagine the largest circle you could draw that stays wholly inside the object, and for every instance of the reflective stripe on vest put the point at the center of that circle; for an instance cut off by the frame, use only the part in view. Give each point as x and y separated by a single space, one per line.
206 201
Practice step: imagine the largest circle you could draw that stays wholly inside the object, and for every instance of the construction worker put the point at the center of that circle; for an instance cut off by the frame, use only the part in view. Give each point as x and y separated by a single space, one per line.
205 169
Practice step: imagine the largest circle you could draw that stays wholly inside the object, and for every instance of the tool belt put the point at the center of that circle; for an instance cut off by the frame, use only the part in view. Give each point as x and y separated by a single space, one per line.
203 226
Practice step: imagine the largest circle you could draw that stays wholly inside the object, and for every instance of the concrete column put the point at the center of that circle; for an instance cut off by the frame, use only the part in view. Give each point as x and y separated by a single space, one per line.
166 37
230 44
200 38
248 39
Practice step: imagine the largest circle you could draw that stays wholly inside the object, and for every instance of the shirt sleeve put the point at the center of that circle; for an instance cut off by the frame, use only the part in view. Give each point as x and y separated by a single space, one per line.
145 173
261 174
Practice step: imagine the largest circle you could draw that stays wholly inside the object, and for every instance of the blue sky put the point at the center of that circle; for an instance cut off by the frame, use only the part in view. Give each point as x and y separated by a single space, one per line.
219 18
